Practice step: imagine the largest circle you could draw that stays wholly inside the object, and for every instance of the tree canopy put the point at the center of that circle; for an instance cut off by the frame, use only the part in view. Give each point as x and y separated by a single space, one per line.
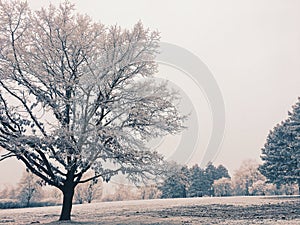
77 95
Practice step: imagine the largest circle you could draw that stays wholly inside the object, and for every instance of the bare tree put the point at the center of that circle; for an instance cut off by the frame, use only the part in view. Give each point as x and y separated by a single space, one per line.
261 187
149 191
77 95
7 192
246 176
29 188
122 192
88 191
78 195
94 191
222 187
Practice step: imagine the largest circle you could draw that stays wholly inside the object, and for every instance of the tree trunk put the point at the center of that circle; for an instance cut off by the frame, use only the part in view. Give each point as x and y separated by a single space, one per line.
68 193
28 202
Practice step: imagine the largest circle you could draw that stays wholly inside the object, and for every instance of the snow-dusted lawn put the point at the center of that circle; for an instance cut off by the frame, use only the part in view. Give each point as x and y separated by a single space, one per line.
228 210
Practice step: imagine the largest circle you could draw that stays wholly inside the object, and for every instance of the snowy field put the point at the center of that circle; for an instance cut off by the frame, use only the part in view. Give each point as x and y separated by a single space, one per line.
228 210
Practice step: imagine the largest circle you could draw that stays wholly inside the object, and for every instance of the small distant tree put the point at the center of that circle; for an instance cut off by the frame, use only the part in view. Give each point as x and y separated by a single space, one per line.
215 173
7 192
289 189
260 187
79 194
176 184
221 172
211 174
88 191
222 187
29 188
281 152
122 192
246 176
173 187
199 182
149 191
94 191
55 195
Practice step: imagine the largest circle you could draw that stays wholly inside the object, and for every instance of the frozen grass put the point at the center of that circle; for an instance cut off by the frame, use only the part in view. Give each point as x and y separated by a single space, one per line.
227 210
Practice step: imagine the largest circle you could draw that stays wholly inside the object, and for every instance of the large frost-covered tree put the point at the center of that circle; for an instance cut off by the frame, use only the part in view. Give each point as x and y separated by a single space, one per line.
77 95
281 153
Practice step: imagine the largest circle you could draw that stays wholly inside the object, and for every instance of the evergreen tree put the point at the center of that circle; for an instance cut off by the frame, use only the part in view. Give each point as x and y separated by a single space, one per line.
199 182
281 153
211 175
181 182
176 184
221 171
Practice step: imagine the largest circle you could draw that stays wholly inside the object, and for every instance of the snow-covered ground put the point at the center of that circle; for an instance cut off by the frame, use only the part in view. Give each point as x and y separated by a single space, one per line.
227 210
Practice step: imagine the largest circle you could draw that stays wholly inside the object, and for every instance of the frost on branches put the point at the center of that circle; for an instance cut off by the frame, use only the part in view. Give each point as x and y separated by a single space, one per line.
281 153
77 95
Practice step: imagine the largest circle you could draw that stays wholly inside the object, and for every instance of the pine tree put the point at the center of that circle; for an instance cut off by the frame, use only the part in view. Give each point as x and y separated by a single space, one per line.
221 171
281 153
199 182
176 184
211 174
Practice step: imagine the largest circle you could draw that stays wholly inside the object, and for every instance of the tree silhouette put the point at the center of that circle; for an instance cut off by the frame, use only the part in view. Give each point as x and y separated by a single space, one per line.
76 95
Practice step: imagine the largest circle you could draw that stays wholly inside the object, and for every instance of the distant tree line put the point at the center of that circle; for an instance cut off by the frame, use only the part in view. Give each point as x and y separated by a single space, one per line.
278 174
178 182
194 182
32 192
182 182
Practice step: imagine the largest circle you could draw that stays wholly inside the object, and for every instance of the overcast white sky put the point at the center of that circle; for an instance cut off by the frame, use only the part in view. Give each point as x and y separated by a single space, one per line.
252 48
